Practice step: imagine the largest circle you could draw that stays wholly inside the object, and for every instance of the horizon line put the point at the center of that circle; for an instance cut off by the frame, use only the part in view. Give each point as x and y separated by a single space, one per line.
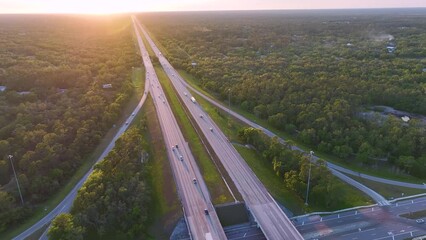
210 10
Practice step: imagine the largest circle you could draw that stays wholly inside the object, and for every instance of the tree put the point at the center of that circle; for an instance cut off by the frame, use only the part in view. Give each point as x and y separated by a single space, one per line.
64 228
406 162
364 153
4 172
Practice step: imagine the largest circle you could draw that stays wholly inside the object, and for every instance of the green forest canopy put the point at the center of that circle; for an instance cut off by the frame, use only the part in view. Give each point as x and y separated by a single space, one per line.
54 110
312 74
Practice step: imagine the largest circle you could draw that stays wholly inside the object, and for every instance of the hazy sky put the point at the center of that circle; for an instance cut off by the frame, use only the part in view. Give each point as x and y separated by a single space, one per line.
111 6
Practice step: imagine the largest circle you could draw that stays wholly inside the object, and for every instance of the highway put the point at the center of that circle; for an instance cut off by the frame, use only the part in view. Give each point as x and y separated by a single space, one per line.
271 134
369 223
199 212
333 168
268 215
66 204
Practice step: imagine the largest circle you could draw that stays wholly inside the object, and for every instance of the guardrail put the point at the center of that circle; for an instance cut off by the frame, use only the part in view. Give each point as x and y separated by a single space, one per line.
359 207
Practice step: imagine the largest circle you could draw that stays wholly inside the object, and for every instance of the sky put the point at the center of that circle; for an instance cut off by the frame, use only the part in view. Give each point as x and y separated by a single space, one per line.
114 6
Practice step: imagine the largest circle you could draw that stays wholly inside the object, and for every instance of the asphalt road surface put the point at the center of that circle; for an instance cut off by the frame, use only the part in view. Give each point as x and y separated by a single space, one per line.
271 134
66 204
371 193
269 216
199 212
371 223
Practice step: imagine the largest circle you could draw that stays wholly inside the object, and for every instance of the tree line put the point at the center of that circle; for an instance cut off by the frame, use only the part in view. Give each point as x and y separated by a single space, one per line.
313 74
115 200
55 110
293 168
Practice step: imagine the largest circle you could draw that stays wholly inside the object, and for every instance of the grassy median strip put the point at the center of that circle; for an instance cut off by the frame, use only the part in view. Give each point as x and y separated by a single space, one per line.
44 208
215 184
383 173
388 191
414 215
166 209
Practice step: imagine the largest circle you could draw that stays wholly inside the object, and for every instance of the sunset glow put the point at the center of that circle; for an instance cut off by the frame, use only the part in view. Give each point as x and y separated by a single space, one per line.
105 7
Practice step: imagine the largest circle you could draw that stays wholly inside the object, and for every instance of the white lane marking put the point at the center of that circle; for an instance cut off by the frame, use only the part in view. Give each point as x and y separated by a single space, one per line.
395 235
371 229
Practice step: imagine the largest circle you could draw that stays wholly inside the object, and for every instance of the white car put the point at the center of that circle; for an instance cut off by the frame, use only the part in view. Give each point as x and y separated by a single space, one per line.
420 221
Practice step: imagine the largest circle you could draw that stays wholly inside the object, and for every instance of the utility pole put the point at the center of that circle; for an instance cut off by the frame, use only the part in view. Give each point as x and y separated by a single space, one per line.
309 176
16 178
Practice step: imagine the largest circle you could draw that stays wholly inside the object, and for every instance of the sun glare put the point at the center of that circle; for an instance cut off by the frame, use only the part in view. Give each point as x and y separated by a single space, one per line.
95 6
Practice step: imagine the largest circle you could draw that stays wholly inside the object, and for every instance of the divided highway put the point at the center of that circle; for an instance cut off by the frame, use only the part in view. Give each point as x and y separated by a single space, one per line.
269 216
199 212
271 134
335 169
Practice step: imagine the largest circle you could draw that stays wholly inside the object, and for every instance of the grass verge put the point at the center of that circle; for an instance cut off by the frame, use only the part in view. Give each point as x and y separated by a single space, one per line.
44 208
166 209
386 190
414 215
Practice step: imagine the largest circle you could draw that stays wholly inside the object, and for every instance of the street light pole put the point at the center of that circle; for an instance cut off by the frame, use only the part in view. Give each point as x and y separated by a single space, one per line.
309 176
16 178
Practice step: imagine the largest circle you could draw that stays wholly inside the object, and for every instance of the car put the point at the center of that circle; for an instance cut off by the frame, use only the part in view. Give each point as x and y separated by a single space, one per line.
186 94
211 129
177 146
206 211
194 181
133 114
420 221
127 123
181 157
201 115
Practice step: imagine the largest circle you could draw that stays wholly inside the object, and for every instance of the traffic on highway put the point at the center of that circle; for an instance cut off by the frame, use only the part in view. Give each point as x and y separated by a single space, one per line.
199 212
268 215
